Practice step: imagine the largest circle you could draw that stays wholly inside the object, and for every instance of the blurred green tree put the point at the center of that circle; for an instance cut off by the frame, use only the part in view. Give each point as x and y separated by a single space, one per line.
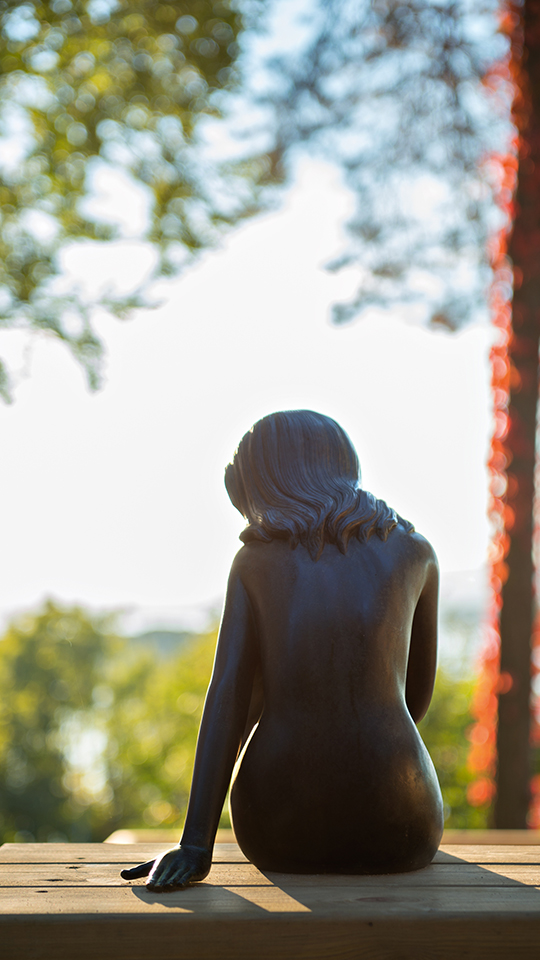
444 730
121 84
152 725
94 731
49 663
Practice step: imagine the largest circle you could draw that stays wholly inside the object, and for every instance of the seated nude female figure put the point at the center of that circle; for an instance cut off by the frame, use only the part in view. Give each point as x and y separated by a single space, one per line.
325 661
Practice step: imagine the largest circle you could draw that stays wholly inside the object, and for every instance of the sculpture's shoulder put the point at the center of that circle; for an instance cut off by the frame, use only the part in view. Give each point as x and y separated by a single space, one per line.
250 557
414 546
257 560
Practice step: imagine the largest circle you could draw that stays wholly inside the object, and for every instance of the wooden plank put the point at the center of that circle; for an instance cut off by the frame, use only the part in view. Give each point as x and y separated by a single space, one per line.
167 837
102 853
231 853
242 902
245 874
130 854
299 938
61 901
471 853
108 874
497 837
158 835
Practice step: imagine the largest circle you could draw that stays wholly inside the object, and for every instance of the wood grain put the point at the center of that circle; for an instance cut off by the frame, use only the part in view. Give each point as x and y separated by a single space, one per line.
328 900
458 874
497 837
132 853
486 853
68 902
126 854
184 938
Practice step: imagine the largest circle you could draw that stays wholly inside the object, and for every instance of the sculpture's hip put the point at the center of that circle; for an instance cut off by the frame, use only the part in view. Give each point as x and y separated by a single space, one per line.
337 806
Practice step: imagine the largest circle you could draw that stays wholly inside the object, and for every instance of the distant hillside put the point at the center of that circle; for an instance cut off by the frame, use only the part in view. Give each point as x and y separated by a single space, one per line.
462 614
163 643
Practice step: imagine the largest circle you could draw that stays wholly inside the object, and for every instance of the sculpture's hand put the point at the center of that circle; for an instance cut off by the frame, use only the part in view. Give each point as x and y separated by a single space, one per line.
174 869
135 873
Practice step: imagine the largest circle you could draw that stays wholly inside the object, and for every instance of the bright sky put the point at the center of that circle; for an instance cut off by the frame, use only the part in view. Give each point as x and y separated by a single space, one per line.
116 499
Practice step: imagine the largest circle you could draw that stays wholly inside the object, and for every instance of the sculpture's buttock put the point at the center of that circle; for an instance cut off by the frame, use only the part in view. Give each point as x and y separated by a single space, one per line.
355 814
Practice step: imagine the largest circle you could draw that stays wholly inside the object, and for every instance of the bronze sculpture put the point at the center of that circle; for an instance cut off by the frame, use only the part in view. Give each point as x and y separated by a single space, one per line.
325 661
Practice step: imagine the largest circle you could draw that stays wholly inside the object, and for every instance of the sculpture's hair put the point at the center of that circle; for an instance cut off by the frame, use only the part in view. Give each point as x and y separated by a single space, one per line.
296 476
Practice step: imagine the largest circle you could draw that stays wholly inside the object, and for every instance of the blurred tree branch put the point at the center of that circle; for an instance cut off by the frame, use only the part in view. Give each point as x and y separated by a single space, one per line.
123 84
392 91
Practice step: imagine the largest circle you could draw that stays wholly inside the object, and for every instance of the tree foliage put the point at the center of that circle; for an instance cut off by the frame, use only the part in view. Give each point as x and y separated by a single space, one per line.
152 725
88 83
445 730
391 90
394 92
48 668
94 731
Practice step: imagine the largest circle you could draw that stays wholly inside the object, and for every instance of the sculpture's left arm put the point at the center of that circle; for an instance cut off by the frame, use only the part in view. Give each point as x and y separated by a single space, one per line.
422 662
220 737
224 717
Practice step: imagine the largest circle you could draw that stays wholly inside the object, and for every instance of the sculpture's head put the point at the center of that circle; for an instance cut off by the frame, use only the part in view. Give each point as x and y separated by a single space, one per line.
296 476
290 453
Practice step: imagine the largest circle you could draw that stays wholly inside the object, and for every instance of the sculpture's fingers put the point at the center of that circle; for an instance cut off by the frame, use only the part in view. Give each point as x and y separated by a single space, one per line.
134 873
172 879
172 883
182 877
161 876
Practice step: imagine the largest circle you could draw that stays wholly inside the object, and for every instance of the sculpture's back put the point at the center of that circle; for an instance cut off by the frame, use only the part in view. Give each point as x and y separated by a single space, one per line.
335 777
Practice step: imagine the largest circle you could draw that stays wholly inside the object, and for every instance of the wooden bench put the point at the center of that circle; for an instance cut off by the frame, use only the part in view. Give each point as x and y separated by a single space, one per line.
67 902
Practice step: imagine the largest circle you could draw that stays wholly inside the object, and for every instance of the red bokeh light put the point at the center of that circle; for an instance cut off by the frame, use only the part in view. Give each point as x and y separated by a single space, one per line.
504 505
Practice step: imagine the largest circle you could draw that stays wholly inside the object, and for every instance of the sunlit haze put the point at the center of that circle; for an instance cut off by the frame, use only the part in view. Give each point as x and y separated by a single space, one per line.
116 499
